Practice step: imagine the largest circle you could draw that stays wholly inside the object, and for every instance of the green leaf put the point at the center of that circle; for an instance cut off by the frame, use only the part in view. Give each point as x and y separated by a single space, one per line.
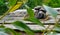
24 1
2 26
12 2
3 8
20 25
3 33
7 30
36 21
2 30
1 2
51 33
51 11
11 31
29 11
57 28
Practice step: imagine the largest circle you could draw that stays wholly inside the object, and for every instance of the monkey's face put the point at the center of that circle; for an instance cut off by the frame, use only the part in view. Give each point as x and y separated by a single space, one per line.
40 13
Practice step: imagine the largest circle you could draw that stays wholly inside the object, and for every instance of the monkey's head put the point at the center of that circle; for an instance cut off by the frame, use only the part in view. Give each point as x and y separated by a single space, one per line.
40 12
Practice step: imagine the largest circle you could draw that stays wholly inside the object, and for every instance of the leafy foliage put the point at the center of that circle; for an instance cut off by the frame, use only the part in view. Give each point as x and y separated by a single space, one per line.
20 25
51 11
33 3
52 3
5 31
3 7
19 4
12 2
57 28
11 31
30 11
51 33
36 21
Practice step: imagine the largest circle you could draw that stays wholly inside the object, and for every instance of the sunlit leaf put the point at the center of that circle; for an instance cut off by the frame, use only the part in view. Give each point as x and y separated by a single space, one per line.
7 30
21 25
51 11
12 9
3 33
11 31
24 1
2 30
57 28
50 33
19 4
12 2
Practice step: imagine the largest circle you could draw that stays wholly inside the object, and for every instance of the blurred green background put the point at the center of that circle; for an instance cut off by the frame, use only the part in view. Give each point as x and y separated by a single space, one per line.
31 4
51 3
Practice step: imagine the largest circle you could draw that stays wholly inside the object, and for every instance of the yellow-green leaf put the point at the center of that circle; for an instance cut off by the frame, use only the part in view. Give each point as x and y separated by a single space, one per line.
19 4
